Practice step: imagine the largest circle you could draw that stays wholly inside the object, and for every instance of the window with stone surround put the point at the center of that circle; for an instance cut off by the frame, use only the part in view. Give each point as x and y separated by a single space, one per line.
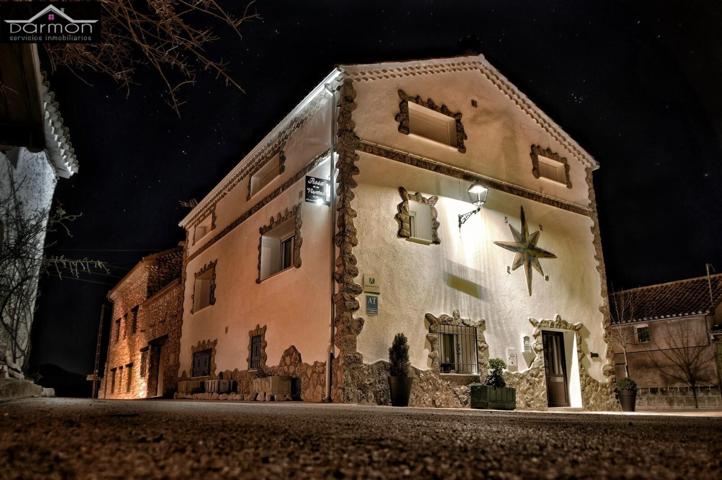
266 174
202 363
426 119
458 349
257 348
204 226
117 330
112 379
417 218
204 287
255 362
549 165
280 244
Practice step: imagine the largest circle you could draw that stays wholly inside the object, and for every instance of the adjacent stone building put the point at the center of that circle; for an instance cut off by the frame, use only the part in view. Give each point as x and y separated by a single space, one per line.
144 339
667 336
428 197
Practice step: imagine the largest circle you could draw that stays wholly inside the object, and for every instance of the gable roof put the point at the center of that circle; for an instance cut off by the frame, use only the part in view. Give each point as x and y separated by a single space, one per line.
378 71
681 298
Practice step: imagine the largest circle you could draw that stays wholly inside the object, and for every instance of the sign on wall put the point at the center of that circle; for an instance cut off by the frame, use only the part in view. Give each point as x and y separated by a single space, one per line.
371 285
372 305
318 190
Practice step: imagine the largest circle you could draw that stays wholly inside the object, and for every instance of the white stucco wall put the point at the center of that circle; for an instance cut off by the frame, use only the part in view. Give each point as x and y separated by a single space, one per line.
415 279
294 304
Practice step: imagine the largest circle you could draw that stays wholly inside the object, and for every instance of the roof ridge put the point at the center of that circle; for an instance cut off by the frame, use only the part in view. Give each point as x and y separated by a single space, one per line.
673 282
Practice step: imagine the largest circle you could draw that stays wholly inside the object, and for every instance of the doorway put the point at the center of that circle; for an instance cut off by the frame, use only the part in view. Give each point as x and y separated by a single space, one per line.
555 367
156 367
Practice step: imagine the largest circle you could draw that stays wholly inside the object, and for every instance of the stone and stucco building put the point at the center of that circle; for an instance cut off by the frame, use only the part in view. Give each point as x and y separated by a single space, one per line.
668 334
144 337
280 271
35 151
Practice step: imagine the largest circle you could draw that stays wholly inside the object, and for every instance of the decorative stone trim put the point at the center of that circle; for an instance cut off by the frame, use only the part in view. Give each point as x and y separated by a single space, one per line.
212 213
536 151
403 116
347 326
262 332
281 166
272 145
262 203
608 368
287 214
212 300
404 218
199 347
432 325
443 169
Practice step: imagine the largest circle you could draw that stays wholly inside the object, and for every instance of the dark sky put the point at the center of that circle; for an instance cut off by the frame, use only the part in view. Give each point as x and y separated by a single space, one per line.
637 84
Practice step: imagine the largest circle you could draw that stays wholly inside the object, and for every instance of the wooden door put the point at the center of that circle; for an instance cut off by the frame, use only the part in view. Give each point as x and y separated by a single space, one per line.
555 367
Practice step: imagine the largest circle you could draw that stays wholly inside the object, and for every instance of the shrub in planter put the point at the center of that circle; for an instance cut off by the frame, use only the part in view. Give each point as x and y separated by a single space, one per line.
493 393
399 380
627 394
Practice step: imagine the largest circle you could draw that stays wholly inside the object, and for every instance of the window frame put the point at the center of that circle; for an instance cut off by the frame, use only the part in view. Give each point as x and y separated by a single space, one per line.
209 222
275 161
290 216
258 332
209 269
638 339
404 214
540 155
134 320
197 354
403 117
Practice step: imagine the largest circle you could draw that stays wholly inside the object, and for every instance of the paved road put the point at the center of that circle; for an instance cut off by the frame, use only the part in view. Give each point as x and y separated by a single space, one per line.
61 438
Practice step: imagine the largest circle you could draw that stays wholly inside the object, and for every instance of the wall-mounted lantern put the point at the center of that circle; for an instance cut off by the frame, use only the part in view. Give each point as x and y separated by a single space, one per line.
477 194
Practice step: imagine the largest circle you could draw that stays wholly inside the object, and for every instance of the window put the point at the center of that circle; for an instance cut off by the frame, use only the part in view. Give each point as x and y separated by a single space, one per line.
435 126
255 357
643 334
124 325
265 174
549 165
202 229
129 374
202 363
120 379
420 221
204 288
552 170
117 330
112 380
134 319
458 349
143 361
278 248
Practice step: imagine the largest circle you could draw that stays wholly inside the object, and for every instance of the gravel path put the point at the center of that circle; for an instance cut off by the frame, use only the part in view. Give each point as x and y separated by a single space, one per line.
63 438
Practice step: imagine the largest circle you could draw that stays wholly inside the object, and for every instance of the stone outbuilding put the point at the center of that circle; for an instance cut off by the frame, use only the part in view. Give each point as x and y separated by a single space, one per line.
145 327
430 198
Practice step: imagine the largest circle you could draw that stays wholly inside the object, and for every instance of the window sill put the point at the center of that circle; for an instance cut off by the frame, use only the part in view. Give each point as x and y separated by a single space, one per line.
435 142
421 241
275 274
553 182
193 312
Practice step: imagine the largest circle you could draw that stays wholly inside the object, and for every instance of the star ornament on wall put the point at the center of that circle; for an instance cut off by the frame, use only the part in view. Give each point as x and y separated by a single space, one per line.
527 253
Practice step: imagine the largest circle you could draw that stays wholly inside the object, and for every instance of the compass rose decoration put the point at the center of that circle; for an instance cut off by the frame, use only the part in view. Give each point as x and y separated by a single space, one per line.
527 253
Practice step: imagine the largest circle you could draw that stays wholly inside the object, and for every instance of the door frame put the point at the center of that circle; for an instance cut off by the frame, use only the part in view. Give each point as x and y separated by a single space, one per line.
565 370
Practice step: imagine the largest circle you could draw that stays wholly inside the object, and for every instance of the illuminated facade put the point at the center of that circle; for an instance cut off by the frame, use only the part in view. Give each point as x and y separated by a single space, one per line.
519 277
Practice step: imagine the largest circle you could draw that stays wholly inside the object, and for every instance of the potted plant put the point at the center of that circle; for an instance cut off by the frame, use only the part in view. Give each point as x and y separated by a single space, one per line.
399 380
493 393
627 393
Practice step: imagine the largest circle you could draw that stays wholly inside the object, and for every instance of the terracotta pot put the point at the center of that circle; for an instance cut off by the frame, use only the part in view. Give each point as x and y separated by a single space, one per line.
400 390
628 400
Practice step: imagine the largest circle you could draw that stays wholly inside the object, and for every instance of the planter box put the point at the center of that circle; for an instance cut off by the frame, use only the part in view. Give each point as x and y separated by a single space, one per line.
484 396
220 386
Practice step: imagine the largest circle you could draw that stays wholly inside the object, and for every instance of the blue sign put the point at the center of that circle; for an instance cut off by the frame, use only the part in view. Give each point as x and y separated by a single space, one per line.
372 305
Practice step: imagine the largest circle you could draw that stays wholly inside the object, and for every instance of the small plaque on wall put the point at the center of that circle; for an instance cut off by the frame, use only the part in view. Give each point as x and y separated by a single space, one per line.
371 284
372 305
318 190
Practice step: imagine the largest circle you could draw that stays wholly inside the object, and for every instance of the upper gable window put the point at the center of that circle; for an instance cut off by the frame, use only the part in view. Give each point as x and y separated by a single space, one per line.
550 165
205 226
427 119
279 248
266 174
435 126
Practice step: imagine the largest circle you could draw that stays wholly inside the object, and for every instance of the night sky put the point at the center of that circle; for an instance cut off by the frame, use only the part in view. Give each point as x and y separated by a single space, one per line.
637 84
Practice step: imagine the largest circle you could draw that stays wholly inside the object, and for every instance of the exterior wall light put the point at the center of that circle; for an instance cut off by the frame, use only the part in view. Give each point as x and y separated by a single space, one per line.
477 194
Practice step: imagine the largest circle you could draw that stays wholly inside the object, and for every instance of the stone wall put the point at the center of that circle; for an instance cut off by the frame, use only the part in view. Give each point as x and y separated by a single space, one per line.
681 398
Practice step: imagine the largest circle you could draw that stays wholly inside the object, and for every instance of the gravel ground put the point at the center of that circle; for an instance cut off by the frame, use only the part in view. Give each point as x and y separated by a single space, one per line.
63 438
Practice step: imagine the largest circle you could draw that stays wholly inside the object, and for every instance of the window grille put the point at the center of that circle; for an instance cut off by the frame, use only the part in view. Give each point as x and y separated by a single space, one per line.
458 349
202 363
643 334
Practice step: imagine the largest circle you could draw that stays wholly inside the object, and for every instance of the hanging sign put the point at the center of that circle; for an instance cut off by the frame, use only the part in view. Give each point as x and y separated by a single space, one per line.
372 305
318 190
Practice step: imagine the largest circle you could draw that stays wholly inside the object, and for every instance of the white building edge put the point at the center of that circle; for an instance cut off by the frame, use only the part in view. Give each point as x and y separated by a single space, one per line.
409 139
